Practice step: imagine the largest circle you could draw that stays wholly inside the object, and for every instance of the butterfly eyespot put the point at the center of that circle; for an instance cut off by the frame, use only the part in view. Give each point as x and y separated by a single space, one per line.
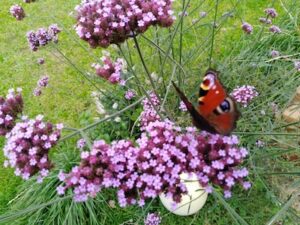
225 106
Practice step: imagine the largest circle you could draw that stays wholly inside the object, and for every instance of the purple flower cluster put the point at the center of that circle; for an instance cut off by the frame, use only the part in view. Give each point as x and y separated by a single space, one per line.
247 28
28 1
42 83
27 147
17 12
274 53
297 65
275 29
271 12
106 22
130 94
42 36
9 110
265 20
154 166
182 107
41 61
149 114
152 219
244 94
111 71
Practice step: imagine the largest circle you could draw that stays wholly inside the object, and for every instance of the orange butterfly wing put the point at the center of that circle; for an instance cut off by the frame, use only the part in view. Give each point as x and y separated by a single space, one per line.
214 104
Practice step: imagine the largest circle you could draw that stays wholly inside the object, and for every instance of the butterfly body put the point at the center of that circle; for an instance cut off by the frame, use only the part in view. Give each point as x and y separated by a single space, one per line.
216 111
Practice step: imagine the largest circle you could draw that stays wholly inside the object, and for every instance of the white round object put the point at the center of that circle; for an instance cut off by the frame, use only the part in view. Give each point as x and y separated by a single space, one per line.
191 202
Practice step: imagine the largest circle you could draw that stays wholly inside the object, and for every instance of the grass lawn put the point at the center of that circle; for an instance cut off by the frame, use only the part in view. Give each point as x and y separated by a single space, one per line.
241 58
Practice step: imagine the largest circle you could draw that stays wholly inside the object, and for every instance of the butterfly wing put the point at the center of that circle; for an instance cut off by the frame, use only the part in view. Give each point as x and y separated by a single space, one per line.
198 120
215 105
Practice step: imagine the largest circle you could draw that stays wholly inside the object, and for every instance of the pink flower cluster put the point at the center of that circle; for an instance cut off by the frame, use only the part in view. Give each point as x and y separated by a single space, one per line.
130 94
17 12
27 147
105 22
111 71
9 110
152 219
28 1
153 165
244 94
42 36
149 114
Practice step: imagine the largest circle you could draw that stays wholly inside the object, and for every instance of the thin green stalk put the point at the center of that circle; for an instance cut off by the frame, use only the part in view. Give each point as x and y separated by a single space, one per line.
79 70
180 44
284 209
144 64
213 33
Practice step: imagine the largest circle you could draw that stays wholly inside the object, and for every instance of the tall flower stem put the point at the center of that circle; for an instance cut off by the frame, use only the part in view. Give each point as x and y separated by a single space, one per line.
144 64
138 82
86 76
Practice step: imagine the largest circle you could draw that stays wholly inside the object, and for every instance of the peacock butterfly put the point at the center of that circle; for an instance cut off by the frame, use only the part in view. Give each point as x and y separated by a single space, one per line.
216 112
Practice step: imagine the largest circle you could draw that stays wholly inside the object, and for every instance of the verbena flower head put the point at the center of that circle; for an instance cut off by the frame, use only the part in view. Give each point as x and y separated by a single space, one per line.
244 94
81 143
105 22
43 82
275 29
182 107
37 92
271 12
149 114
247 28
28 1
130 94
111 71
10 107
17 12
42 36
265 20
274 53
41 61
297 65
27 147
152 219
203 14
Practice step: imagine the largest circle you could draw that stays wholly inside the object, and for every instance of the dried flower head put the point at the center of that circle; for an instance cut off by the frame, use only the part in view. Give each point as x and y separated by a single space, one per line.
106 22
17 12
